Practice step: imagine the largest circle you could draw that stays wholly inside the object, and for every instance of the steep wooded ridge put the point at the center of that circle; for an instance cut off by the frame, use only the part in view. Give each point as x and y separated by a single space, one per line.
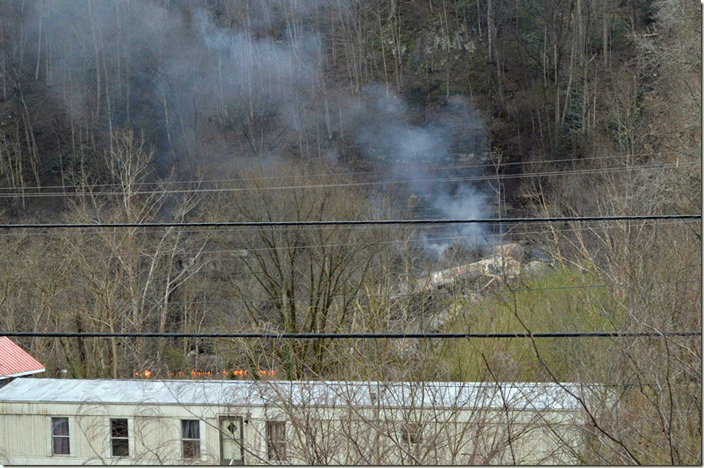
139 111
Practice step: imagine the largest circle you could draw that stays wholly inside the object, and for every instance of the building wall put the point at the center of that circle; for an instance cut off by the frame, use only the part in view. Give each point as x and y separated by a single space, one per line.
154 433
447 437
315 435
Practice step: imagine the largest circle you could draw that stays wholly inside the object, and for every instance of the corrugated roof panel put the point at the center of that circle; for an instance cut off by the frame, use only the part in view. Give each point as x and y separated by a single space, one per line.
16 362
531 396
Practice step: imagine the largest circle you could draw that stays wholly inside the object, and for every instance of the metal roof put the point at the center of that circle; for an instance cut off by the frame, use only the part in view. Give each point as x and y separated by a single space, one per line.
532 396
16 362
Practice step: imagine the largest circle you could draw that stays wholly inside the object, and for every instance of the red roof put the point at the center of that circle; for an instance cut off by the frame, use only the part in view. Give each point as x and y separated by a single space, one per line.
16 362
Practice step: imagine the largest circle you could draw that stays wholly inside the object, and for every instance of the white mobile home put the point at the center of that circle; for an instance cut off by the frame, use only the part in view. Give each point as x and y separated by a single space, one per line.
66 421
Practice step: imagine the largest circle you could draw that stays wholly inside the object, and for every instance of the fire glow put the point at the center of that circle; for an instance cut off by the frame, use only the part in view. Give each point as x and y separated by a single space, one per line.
224 374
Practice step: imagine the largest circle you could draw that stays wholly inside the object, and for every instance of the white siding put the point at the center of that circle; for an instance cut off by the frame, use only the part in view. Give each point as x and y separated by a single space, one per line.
334 429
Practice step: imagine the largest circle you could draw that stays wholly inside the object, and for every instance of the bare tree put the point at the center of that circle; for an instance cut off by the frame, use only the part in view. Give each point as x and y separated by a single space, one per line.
421 423
301 278
126 278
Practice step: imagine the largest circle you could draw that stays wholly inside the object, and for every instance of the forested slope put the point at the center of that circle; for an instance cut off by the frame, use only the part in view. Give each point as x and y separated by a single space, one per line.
191 111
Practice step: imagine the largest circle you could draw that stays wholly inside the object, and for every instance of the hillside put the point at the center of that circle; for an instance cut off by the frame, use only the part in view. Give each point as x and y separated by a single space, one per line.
214 112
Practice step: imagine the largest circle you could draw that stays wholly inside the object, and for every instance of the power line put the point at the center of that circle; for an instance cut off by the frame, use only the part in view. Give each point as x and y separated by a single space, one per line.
362 222
366 336
239 301
438 168
475 239
443 167
73 191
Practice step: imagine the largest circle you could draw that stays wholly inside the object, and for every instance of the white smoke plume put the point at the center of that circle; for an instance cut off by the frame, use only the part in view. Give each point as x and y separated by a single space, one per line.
432 160
207 86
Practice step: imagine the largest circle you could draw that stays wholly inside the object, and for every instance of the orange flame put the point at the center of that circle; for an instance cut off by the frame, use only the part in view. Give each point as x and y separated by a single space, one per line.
224 374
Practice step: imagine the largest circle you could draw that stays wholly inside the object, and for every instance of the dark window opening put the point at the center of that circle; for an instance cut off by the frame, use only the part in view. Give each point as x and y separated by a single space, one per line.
119 438
276 440
412 434
60 443
190 438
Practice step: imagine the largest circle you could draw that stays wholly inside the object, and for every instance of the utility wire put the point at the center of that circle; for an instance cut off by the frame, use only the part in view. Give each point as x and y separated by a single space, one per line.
367 336
236 302
362 222
73 191
438 168
479 238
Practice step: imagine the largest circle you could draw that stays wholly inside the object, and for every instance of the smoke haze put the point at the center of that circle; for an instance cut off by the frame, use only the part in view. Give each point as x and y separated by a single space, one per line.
211 87
429 161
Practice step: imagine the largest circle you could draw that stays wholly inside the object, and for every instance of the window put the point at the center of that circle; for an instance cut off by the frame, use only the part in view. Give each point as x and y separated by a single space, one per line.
119 439
412 434
60 444
231 440
276 440
190 438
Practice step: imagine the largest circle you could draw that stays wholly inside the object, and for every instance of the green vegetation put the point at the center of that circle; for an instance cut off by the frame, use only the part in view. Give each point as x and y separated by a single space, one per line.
145 111
564 300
